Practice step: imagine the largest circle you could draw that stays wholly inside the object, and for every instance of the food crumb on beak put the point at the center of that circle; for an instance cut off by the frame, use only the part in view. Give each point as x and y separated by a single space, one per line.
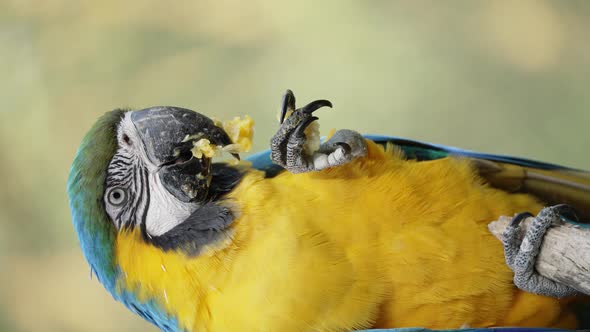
203 147
239 130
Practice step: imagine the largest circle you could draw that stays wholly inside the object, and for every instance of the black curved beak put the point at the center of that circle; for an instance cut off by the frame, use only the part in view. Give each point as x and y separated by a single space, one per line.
164 130
167 134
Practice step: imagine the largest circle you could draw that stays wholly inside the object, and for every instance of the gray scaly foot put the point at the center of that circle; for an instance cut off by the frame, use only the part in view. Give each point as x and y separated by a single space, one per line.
521 252
287 145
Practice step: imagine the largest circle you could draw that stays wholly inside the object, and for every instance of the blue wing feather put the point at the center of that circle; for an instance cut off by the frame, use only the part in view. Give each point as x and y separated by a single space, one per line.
415 150
442 150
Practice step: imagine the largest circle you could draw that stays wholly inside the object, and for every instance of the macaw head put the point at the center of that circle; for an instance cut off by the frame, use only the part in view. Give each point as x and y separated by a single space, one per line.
134 171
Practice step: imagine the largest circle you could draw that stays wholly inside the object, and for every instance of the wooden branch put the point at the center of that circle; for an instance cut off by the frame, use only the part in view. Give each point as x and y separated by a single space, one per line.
564 255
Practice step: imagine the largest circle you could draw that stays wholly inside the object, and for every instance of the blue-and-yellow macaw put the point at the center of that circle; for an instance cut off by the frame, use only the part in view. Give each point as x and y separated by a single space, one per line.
364 232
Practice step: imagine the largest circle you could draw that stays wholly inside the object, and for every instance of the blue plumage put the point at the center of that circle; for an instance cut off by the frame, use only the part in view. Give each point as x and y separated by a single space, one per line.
415 150
95 230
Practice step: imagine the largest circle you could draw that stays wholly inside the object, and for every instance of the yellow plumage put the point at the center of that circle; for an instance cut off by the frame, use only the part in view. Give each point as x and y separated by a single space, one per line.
379 242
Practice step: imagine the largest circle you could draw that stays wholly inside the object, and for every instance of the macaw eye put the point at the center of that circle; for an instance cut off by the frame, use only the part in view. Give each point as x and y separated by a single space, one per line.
117 196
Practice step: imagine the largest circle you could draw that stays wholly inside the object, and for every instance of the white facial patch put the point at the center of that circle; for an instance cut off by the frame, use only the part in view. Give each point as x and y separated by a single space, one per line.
165 210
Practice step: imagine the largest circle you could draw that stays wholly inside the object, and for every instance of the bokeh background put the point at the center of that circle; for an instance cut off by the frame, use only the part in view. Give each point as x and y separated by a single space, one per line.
497 76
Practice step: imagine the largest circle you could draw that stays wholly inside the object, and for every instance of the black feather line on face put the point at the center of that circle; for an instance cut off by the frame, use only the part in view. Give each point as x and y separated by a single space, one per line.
146 205
208 223
134 198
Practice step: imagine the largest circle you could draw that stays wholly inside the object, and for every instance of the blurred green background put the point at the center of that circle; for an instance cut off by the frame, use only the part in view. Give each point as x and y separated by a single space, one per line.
497 76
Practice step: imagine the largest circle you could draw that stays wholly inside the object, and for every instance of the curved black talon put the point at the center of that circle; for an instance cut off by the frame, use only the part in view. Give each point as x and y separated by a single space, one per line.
288 104
519 218
567 213
304 124
315 105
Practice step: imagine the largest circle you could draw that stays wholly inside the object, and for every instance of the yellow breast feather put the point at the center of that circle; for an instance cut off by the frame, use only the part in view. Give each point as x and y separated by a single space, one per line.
381 241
